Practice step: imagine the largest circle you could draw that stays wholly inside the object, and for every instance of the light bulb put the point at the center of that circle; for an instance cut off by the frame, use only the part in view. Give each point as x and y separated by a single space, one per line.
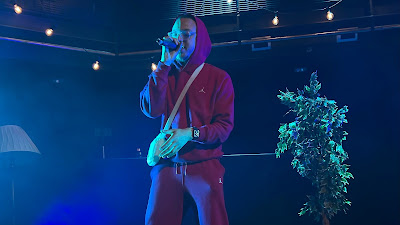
153 66
275 21
17 9
329 15
49 32
229 1
96 65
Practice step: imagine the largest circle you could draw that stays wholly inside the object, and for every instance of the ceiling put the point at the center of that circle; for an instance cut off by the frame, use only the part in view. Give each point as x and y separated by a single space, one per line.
130 27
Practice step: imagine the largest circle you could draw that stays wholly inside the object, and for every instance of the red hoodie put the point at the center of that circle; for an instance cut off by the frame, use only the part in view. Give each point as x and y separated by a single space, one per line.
208 104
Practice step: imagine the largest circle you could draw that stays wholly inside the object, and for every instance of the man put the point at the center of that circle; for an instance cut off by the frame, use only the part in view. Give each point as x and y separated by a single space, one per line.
190 163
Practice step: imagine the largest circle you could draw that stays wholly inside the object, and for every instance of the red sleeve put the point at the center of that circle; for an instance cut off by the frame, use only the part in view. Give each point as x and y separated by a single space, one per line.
153 95
222 122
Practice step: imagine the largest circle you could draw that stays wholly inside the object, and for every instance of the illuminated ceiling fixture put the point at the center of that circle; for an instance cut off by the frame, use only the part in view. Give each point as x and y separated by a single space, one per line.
329 15
153 66
17 9
229 1
275 20
49 32
96 65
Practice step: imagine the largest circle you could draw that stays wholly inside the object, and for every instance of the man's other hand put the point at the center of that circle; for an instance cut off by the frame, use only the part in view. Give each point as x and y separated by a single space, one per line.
177 139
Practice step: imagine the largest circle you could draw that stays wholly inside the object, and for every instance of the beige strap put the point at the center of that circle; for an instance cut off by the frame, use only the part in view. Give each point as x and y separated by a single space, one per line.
179 101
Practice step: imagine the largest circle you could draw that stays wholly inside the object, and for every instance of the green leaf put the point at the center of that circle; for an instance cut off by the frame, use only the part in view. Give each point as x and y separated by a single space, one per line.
282 128
349 175
303 211
318 87
295 162
339 149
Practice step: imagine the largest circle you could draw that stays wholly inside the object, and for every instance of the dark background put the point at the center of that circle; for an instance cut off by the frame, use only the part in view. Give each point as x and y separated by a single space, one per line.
55 96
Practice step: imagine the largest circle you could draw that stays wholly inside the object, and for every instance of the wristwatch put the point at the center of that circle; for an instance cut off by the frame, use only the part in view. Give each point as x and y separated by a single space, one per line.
196 133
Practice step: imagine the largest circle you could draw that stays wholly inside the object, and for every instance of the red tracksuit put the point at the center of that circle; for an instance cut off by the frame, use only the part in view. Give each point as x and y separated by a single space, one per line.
195 170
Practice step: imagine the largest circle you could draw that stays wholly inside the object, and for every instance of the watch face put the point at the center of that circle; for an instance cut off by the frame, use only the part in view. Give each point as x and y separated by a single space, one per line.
196 133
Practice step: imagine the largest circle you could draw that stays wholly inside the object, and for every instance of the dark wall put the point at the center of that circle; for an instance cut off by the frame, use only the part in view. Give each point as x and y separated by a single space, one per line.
71 184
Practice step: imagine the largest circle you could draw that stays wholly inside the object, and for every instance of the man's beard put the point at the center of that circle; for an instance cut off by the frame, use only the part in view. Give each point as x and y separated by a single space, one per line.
182 61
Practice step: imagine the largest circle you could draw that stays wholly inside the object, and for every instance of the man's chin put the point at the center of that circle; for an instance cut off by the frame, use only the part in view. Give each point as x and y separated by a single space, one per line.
182 58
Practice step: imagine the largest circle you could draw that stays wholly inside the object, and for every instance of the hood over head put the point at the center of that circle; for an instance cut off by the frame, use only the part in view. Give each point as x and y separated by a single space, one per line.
202 49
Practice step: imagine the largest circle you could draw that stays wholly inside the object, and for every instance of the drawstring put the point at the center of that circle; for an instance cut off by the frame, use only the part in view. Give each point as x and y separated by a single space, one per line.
177 171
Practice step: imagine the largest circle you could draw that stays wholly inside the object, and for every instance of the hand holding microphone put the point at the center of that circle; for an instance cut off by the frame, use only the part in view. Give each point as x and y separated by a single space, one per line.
167 43
170 49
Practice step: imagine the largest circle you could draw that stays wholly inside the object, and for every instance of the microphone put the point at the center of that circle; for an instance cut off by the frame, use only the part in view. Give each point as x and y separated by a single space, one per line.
167 43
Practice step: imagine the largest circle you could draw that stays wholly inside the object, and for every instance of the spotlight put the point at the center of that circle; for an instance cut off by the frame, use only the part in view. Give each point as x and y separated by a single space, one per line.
17 9
229 1
49 32
275 21
329 15
153 66
96 65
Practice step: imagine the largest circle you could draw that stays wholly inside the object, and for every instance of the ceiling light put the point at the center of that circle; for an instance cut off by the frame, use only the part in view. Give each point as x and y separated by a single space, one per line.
49 32
17 9
275 21
96 65
153 66
329 15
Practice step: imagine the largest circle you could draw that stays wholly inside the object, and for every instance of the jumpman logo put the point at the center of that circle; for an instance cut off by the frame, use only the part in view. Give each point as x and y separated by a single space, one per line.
220 180
202 90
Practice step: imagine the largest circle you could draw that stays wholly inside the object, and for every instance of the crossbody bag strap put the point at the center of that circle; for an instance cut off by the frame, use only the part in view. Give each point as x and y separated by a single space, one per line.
179 101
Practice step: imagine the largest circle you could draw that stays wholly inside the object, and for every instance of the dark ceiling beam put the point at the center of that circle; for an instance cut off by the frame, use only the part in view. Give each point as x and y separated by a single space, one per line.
225 30
72 48
229 37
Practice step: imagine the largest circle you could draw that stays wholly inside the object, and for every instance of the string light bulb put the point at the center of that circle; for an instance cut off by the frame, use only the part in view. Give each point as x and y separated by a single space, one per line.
96 65
17 9
49 32
153 66
329 15
275 20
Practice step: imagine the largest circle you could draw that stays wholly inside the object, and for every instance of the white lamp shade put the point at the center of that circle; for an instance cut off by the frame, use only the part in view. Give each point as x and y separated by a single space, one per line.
15 144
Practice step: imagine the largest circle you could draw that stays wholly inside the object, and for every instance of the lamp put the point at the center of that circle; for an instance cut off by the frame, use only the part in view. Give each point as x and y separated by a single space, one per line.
16 149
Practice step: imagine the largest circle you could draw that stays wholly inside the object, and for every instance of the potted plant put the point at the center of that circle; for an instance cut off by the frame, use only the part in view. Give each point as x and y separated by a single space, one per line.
315 139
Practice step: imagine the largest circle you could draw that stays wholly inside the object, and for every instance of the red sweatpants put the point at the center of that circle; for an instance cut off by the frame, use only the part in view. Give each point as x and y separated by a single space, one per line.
203 181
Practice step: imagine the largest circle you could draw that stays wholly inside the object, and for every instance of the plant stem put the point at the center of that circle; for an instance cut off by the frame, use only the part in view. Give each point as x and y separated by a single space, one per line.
325 220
